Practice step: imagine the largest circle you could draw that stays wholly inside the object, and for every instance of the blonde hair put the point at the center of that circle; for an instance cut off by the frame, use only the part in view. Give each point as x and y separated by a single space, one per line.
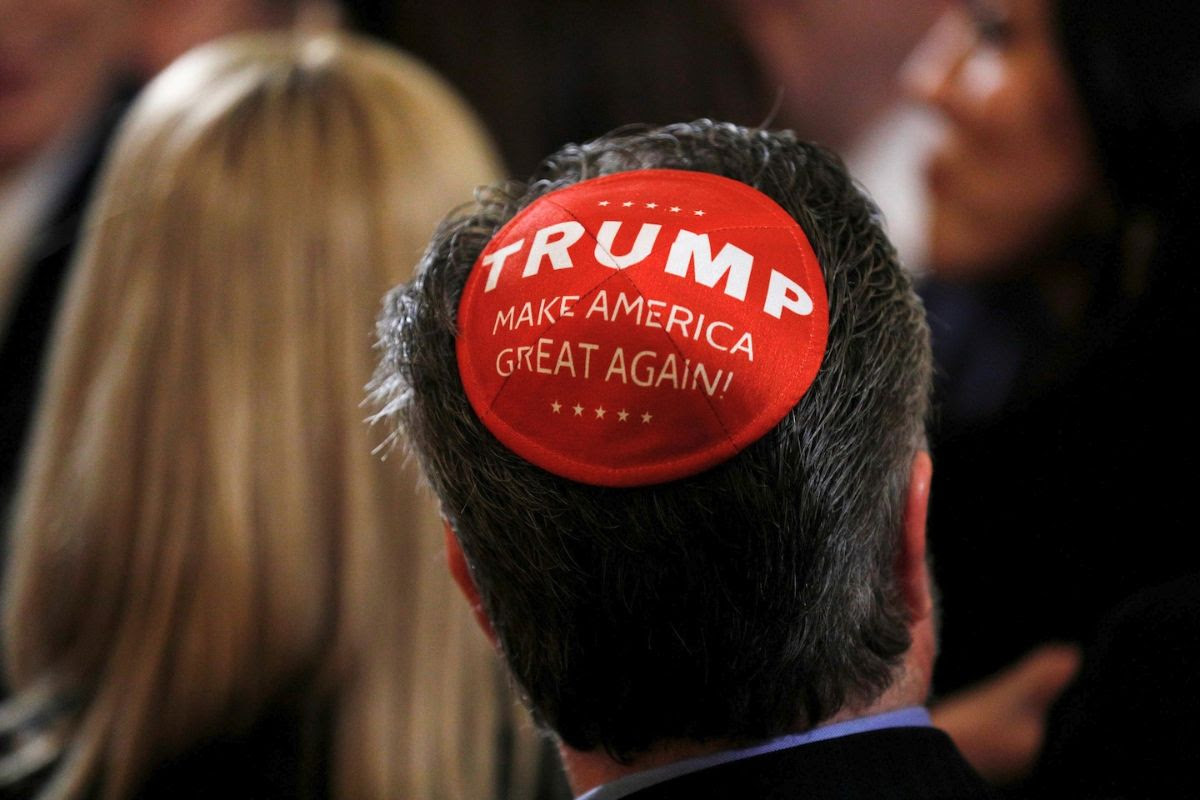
202 526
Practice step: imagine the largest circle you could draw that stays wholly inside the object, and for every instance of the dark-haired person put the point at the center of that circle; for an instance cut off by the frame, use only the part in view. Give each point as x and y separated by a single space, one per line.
672 398
1064 199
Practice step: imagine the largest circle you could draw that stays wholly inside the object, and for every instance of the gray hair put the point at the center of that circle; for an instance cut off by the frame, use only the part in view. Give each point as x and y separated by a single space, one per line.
754 598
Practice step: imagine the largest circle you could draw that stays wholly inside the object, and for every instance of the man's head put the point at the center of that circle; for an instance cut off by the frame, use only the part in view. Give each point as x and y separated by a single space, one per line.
755 597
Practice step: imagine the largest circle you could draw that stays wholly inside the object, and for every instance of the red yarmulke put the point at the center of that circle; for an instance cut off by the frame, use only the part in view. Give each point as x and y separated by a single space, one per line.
641 327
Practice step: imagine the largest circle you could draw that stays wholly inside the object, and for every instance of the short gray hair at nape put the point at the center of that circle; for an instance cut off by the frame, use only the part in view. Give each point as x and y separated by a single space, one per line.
751 599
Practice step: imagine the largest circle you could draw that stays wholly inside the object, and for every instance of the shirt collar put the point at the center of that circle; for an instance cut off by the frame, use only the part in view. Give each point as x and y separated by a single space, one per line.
913 717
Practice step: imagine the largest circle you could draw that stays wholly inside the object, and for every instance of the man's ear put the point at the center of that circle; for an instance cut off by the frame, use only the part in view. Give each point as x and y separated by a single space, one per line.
462 576
911 569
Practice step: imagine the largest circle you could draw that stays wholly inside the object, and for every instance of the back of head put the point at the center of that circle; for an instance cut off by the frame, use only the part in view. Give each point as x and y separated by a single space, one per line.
201 478
753 598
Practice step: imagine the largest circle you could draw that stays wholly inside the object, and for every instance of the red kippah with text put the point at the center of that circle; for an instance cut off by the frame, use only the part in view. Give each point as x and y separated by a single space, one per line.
641 327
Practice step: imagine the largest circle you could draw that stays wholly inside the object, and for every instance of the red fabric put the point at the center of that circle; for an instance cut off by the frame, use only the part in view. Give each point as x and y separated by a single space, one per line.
653 375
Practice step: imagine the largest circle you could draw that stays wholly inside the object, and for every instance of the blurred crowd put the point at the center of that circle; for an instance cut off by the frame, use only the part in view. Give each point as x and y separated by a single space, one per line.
219 579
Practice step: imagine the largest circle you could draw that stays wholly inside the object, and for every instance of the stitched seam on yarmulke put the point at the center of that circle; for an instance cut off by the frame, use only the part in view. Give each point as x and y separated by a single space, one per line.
707 400
629 276
803 248
802 251
810 269
626 273
591 291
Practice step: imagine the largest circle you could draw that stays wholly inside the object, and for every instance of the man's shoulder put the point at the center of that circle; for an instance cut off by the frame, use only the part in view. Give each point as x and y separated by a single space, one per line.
891 764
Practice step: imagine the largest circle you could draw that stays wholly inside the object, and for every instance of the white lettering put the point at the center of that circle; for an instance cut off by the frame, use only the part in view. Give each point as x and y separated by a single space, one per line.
526 316
708 334
504 362
503 318
496 261
701 375
587 358
783 292
568 233
673 319
536 358
543 354
648 375
623 305
670 371
599 305
744 345
654 315
546 314
617 366
565 359
642 246
732 263
523 354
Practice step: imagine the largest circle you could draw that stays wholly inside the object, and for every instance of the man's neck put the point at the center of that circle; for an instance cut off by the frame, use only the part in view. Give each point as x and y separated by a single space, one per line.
589 769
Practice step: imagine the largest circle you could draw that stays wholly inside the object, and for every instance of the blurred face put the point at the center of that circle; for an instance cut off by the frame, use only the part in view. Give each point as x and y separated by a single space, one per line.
1014 166
57 59
170 28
